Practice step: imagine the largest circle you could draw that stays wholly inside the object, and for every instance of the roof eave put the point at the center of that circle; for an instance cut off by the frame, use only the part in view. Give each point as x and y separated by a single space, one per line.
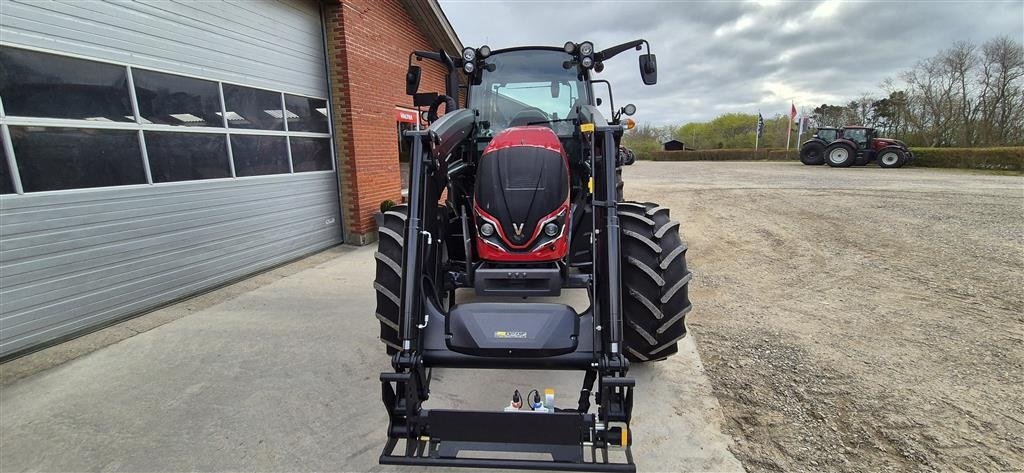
433 23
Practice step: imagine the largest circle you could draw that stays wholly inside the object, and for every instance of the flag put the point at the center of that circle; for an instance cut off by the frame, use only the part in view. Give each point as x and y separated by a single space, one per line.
789 128
803 125
760 125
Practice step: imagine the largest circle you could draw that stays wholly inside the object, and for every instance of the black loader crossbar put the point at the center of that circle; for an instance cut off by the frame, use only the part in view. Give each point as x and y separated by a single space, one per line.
567 439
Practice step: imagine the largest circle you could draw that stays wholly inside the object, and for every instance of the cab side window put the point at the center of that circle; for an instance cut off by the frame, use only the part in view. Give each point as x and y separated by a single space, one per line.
857 136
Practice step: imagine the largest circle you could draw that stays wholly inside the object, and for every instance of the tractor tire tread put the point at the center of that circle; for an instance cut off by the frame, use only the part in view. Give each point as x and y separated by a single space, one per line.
655 282
388 280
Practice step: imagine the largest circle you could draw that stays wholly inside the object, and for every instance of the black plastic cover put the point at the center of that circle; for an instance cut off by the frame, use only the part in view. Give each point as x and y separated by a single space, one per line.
449 131
522 329
520 185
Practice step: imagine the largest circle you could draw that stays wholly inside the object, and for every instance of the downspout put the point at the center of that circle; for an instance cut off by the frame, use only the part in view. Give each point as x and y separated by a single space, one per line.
335 154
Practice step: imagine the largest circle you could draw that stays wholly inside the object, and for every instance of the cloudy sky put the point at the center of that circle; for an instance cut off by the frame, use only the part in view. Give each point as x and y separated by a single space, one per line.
718 57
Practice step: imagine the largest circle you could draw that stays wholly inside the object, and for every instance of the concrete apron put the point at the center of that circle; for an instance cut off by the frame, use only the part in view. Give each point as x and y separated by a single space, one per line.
285 377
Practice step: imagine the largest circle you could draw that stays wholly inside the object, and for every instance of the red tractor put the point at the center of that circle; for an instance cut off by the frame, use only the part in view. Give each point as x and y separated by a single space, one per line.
514 192
853 146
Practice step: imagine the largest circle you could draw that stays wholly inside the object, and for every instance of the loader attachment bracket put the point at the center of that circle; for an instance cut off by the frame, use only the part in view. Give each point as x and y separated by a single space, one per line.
563 441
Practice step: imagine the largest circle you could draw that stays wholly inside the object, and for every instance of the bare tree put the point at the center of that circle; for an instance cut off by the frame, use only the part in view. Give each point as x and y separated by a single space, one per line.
1002 91
959 63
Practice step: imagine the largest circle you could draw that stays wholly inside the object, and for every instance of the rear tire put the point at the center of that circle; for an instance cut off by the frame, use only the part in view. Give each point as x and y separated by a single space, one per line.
891 158
812 153
655 282
840 155
388 281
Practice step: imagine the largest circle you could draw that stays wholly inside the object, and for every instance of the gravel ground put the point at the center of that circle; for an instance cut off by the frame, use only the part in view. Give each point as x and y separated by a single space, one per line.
856 319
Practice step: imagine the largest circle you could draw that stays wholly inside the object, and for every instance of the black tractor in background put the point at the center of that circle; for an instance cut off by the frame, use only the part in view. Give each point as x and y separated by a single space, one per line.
853 146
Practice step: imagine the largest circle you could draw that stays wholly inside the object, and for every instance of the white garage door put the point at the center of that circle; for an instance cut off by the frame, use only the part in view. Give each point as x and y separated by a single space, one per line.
153 150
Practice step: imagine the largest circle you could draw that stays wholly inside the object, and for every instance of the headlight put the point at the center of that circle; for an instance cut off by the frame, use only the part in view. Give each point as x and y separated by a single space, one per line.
487 229
587 61
551 229
586 48
469 54
569 47
485 51
468 67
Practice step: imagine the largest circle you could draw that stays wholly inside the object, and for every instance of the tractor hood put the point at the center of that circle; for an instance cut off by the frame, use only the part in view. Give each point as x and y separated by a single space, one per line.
890 141
522 184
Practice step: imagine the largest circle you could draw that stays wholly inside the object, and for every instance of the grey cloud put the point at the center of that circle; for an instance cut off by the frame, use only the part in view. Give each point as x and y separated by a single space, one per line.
718 57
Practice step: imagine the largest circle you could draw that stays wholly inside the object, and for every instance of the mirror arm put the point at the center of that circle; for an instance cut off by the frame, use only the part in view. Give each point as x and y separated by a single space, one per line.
442 57
611 98
615 50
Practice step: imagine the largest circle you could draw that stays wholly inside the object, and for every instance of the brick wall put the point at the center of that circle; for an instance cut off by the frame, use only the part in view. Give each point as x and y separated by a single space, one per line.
369 42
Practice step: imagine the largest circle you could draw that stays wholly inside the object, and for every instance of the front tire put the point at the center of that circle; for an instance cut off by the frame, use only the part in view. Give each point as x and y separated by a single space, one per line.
840 155
655 282
891 158
388 281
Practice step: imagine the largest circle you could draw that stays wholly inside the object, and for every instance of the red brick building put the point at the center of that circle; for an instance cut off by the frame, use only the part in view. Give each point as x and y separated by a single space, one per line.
368 46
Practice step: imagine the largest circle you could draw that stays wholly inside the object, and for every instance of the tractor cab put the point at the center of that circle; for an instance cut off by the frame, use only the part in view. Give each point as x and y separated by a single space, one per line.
826 134
528 87
861 136
542 86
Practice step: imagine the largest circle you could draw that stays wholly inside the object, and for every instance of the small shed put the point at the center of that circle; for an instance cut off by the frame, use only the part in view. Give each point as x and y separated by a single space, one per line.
673 145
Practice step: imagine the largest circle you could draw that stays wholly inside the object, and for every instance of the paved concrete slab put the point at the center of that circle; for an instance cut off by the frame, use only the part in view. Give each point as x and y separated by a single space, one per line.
284 378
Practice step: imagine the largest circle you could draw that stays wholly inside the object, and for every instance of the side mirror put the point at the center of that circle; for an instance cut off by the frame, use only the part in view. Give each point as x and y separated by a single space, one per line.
649 69
629 109
556 89
412 79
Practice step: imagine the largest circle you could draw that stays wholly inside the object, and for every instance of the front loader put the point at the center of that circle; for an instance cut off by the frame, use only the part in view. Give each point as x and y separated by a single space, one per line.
514 191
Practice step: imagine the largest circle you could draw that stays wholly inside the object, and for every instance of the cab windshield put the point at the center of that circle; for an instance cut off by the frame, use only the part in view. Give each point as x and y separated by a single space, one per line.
528 87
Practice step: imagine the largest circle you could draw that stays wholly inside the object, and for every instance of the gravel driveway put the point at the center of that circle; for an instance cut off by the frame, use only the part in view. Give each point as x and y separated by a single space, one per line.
856 319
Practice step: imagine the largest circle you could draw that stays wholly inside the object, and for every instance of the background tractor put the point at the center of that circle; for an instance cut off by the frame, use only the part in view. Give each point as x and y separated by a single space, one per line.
516 193
853 146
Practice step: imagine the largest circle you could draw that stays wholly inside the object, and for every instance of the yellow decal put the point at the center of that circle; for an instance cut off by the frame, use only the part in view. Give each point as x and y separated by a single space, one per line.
587 127
590 185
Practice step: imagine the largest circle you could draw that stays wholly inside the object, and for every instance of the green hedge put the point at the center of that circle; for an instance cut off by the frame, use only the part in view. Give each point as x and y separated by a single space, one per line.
743 154
1008 158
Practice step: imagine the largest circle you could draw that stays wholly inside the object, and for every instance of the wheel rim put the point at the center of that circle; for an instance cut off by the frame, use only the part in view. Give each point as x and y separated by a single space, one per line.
838 155
889 159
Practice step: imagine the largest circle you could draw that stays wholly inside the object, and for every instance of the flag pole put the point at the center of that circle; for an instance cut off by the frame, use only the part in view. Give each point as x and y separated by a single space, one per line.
789 125
757 132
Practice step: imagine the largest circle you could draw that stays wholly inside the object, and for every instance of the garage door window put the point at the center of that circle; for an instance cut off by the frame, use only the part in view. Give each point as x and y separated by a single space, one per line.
311 154
253 108
73 123
70 158
306 114
35 84
259 155
187 156
175 100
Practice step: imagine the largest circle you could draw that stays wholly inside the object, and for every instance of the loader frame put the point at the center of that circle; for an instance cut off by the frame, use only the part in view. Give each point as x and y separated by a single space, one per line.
574 439
435 437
